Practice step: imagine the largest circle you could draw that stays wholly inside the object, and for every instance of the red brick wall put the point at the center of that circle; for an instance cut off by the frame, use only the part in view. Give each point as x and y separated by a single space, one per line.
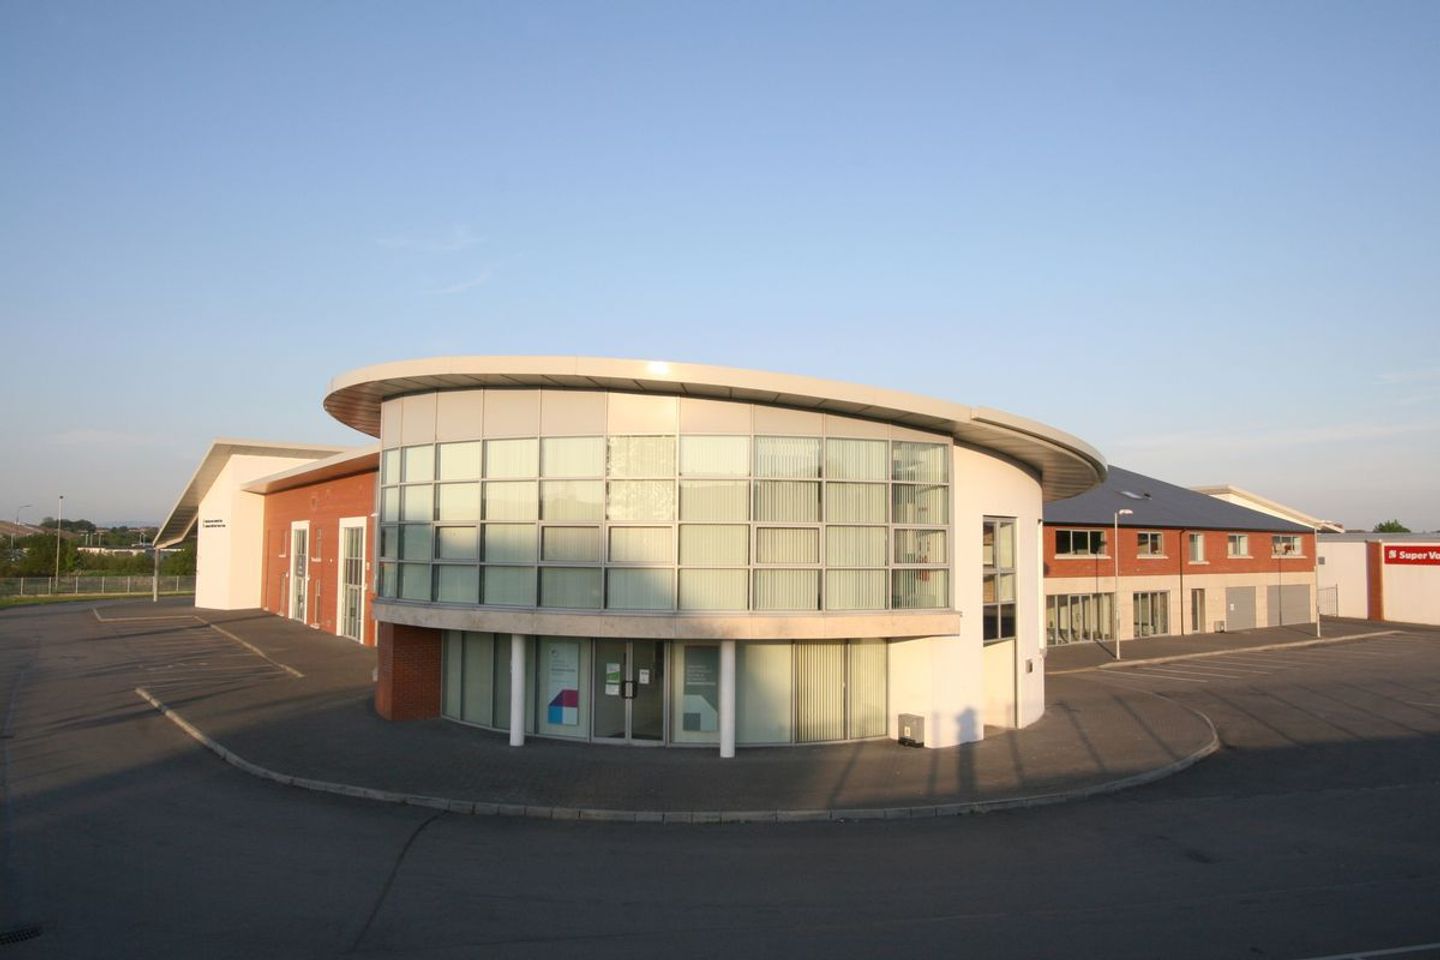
409 677
1175 545
1374 581
323 504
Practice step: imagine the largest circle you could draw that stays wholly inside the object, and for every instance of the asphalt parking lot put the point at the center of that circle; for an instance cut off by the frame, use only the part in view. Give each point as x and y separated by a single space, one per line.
1310 834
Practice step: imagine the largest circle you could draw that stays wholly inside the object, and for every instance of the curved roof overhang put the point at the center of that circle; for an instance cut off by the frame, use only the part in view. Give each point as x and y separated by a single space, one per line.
1065 464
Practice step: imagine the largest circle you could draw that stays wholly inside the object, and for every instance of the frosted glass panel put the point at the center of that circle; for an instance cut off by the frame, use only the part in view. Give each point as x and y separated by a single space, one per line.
510 542
390 504
512 458
510 585
457 584
715 456
713 589
457 543
458 503
640 589
641 545
920 462
417 504
857 459
459 461
1005 545
787 457
390 467
714 545
855 502
855 589
819 691
415 542
920 589
715 500
642 456
787 589
695 695
576 544
920 546
572 499
787 501
915 504
572 457
764 687
787 545
646 500
415 581
389 543
454 672
855 546
867 688
419 464
572 587
389 580
479 693
512 501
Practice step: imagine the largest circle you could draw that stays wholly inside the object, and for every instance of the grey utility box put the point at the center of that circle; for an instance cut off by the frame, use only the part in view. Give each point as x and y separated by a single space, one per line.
912 730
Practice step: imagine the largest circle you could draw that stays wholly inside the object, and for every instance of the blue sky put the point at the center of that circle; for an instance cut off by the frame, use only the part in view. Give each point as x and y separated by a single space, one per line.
1201 236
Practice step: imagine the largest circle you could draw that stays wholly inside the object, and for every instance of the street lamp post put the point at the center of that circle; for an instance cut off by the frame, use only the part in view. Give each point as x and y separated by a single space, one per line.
1115 600
23 506
59 515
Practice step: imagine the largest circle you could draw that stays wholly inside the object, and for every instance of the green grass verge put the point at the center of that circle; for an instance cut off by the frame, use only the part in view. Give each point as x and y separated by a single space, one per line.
29 601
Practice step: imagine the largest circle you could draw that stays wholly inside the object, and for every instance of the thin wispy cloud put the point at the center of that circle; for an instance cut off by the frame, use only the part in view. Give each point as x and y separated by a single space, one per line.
459 237
477 281
1410 376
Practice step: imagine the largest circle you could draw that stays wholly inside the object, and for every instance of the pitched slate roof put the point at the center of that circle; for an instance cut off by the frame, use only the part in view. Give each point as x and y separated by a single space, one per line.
1159 504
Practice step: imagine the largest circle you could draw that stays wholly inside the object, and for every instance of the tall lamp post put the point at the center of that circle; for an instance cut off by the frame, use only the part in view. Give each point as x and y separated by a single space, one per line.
23 506
59 515
1115 600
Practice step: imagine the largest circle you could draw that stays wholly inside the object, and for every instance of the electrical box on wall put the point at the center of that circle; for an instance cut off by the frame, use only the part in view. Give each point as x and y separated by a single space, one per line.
912 730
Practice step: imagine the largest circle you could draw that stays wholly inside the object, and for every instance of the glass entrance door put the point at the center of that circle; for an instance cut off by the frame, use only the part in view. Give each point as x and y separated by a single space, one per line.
299 572
628 679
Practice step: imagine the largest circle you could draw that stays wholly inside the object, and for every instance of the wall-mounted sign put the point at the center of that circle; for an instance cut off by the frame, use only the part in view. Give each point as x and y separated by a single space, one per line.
1413 553
213 524
563 684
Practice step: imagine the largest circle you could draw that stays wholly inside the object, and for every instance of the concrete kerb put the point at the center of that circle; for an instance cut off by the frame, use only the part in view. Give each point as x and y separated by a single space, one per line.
484 808
1232 652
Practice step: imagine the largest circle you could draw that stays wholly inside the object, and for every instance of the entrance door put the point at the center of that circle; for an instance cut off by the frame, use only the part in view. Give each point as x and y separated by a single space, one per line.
1239 608
352 579
299 570
628 678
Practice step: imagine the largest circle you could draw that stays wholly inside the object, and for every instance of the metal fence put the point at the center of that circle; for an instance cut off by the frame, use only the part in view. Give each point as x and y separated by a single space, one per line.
107 585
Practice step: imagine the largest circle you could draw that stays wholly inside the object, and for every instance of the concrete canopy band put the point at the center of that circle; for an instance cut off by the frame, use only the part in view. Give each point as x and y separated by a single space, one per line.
653 553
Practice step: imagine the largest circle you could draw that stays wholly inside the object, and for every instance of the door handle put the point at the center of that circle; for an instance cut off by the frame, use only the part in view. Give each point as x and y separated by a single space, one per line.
627 689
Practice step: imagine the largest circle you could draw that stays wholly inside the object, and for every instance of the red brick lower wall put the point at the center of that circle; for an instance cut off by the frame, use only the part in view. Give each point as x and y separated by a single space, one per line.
1375 581
408 683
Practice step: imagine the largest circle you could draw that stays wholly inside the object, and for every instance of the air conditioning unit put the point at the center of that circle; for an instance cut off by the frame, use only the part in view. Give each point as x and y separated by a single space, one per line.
1219 626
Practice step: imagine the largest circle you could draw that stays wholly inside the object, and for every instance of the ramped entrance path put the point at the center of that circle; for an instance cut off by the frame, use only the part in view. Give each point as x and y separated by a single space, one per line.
319 730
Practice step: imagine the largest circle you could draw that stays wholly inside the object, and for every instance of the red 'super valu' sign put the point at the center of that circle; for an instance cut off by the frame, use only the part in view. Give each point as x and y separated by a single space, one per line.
1424 553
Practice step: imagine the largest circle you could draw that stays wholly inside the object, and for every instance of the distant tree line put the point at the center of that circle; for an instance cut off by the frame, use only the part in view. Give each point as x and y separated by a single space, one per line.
34 556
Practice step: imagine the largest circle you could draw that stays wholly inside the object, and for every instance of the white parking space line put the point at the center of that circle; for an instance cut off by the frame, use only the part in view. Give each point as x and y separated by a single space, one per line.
1200 671
1229 665
1165 676
1388 952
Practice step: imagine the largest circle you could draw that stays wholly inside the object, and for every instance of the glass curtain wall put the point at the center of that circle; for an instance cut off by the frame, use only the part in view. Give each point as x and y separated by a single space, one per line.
1071 618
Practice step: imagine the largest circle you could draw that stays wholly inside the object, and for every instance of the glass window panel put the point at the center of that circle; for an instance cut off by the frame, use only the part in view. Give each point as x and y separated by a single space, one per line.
920 546
390 504
419 464
855 589
415 581
820 691
390 466
642 456
855 502
458 503
576 544
564 701
855 546
479 678
787 501
389 543
459 461
857 459
456 543
570 587
715 456
1005 545
415 542
764 692
457 584
787 545
572 457
509 542
920 589
987 544
714 500
389 580
512 501
510 585
512 458
704 545
695 696
914 504
639 589
644 500
714 589
642 545
866 688
454 654
920 462
572 499
417 504
787 456
787 589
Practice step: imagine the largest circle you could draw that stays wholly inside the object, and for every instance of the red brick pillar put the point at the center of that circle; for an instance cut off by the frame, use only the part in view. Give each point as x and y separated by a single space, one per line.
408 684
1374 581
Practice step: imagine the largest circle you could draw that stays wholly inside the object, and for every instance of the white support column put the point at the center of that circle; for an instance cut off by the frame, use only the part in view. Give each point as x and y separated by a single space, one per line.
727 698
517 690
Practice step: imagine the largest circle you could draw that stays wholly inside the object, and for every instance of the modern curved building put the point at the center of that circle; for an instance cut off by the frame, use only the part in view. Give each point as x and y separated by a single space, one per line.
622 551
